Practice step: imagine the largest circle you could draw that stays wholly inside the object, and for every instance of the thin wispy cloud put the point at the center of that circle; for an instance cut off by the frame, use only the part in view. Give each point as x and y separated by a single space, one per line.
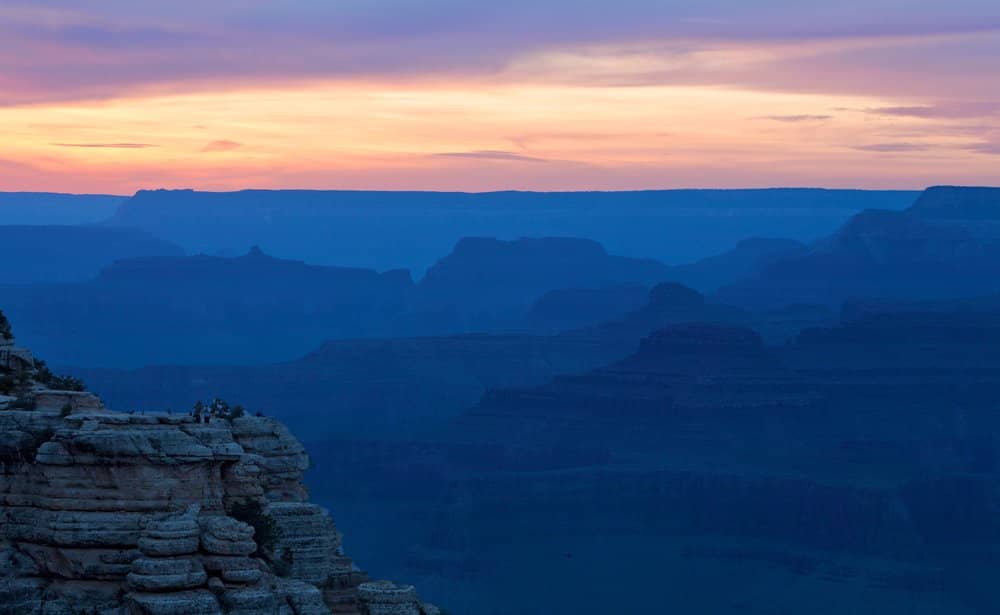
986 147
107 145
491 155
792 119
373 89
954 110
892 147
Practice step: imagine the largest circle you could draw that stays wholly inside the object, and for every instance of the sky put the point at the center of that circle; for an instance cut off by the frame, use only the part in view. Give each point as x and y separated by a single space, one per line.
116 96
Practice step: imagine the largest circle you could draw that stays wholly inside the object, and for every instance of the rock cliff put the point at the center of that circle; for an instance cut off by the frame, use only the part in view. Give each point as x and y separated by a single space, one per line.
111 513
946 246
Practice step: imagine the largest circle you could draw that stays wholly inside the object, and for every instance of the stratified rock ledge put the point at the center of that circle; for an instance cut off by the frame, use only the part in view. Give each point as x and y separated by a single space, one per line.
111 513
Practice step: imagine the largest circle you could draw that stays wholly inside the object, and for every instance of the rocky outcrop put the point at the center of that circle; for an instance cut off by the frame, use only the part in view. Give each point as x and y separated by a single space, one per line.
12 358
946 246
504 278
163 514
958 203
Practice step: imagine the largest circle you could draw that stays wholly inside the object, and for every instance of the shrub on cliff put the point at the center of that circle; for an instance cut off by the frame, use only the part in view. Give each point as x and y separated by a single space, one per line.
57 383
6 333
7 384
42 372
67 383
217 408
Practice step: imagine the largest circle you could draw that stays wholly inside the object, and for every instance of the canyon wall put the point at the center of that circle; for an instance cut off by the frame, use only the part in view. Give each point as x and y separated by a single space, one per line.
114 513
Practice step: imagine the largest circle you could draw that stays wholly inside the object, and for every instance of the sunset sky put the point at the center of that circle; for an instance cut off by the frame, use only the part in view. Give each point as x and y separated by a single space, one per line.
118 95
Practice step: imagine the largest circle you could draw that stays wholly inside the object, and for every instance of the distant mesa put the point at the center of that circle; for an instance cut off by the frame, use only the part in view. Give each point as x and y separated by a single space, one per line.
385 230
47 254
571 308
494 275
951 334
958 203
947 245
48 208
668 304
684 372
680 291
671 295
856 309
702 349
205 309
747 259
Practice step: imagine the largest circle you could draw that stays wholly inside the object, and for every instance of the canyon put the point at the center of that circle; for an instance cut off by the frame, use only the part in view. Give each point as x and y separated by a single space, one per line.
199 513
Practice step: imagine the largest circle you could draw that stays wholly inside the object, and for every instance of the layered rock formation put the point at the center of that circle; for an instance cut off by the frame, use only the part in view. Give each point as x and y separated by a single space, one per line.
164 514
413 386
946 246
204 309
856 470
377 229
677 377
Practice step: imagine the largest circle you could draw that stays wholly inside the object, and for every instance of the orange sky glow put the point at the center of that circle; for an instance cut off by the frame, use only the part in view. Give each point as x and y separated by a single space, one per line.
557 117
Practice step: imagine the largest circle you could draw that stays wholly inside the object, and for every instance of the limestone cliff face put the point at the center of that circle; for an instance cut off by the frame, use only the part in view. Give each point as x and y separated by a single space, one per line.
110 513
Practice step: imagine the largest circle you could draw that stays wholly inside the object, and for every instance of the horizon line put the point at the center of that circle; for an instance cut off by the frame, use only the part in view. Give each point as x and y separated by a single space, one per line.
499 191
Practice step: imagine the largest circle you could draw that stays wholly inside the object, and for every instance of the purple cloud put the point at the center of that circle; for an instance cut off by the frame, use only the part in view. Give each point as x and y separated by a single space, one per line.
985 147
222 145
60 49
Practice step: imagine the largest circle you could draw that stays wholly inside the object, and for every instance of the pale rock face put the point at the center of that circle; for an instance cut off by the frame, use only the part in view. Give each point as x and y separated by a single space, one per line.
387 598
78 401
197 602
125 514
305 599
179 535
310 538
226 536
165 575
